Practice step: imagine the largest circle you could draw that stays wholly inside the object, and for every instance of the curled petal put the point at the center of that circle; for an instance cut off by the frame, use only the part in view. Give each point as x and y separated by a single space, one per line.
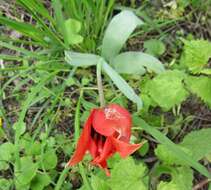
83 142
108 150
125 149
93 148
102 125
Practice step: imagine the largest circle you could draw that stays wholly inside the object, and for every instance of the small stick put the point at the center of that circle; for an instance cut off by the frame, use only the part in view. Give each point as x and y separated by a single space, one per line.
201 184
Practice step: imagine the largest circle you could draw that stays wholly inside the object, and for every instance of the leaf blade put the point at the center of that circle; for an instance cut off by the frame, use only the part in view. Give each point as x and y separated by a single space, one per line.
135 63
117 33
122 85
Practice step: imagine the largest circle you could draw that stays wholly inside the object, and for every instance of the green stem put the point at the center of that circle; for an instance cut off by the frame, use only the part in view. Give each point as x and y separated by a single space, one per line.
84 177
81 167
100 84
62 177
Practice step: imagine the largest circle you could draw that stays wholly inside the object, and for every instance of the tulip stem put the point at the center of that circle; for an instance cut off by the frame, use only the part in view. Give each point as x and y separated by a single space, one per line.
100 84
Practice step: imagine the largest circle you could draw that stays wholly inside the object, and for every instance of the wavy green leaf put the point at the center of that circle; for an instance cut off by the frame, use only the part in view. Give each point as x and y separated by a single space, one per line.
117 33
136 63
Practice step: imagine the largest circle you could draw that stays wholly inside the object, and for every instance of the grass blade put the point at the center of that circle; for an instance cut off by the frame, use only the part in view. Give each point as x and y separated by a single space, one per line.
172 147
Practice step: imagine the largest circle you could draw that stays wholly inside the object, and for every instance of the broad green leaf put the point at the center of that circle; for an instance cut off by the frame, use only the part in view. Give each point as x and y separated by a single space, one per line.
81 59
27 171
198 142
154 47
181 179
5 184
206 71
196 55
128 175
166 156
201 86
117 33
40 181
98 183
72 28
173 148
167 89
6 151
122 85
136 62
19 127
49 160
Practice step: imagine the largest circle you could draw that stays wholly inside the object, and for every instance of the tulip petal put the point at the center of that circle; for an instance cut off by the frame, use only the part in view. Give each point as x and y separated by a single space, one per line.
102 125
112 118
93 148
123 148
83 142
106 152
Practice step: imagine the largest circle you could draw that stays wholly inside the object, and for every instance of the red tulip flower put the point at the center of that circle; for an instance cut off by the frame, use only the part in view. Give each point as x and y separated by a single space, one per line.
106 131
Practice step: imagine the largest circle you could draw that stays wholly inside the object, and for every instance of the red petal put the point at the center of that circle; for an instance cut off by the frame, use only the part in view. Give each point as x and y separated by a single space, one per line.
93 148
83 142
102 125
124 149
106 152
112 118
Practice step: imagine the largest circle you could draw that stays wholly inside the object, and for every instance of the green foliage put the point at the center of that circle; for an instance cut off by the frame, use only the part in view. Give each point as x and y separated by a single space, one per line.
167 89
27 171
98 183
181 179
136 63
4 183
165 155
128 175
154 47
197 144
201 86
116 33
196 54
73 27
48 159
40 181
6 151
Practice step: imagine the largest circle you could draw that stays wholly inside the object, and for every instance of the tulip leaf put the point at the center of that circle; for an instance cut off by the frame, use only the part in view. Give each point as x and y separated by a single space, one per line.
181 179
180 154
128 175
122 85
117 33
136 62
81 59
